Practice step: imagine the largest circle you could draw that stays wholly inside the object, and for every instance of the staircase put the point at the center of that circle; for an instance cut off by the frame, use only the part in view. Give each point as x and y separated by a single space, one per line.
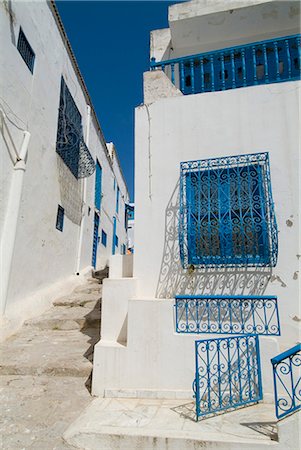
45 369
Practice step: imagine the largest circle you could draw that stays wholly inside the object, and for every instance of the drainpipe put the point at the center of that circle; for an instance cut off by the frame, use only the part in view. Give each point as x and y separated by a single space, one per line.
8 236
82 223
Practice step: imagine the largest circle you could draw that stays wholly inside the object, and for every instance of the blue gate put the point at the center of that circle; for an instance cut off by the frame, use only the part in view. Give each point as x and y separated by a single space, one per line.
228 373
95 239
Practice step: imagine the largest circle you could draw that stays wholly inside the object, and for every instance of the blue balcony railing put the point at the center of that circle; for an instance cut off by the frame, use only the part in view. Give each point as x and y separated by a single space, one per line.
227 314
264 62
287 381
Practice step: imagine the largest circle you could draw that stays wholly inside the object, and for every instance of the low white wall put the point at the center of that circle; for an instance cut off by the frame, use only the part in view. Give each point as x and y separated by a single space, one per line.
154 360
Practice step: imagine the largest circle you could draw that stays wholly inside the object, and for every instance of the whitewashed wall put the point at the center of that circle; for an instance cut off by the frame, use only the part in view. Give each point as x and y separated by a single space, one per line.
44 255
247 120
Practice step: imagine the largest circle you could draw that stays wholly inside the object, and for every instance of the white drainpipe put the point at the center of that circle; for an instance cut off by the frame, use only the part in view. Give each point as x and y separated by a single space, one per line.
8 236
82 223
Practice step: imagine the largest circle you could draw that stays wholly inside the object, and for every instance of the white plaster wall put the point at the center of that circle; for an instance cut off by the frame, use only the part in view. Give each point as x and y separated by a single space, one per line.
246 120
201 26
44 255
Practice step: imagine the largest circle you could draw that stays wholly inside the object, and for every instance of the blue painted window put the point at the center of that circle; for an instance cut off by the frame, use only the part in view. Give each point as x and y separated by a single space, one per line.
60 218
25 50
114 236
98 180
104 238
117 200
226 212
70 144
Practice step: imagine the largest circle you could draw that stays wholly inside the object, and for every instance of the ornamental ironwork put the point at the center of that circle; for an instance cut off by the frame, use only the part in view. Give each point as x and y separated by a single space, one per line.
270 61
228 374
287 381
227 213
227 314
70 143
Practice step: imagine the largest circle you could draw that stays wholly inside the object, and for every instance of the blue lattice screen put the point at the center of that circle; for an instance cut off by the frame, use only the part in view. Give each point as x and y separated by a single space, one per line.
70 144
226 212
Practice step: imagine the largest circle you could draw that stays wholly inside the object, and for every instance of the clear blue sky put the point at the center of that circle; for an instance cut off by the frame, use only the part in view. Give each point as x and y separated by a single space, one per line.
111 44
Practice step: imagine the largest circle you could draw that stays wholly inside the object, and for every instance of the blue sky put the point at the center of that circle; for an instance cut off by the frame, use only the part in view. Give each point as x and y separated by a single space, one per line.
111 44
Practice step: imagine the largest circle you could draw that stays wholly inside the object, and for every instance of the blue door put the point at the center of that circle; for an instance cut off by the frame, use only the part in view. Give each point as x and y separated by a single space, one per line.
98 180
95 239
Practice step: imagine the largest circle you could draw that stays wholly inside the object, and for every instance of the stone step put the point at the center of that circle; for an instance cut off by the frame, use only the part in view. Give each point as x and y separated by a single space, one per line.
68 318
77 299
52 353
88 289
126 424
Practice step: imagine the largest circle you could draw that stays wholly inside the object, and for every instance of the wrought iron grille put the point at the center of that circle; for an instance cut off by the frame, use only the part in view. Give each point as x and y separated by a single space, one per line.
227 314
287 381
25 50
228 374
269 61
70 144
227 213
60 218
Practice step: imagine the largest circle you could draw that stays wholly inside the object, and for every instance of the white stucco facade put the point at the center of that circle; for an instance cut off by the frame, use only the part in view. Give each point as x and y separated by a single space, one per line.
43 256
140 354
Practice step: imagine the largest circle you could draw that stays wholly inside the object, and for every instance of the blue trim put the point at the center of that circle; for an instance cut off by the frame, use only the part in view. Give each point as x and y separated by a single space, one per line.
227 314
103 238
228 374
95 240
287 380
98 183
270 61
286 354
227 213
114 236
117 200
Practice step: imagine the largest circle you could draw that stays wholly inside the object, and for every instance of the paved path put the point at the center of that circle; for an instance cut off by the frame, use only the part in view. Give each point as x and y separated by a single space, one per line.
45 372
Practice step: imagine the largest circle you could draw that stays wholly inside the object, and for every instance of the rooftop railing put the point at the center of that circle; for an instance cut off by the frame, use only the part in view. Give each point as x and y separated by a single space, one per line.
227 314
264 62
287 381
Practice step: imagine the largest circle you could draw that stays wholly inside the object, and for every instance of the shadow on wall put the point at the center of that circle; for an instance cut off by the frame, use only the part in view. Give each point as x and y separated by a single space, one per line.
70 192
174 280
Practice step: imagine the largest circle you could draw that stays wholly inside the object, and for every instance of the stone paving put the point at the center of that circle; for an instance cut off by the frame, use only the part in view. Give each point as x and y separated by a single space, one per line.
45 372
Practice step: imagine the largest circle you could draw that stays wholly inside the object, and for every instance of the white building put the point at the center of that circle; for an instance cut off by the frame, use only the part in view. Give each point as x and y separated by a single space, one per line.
62 190
225 83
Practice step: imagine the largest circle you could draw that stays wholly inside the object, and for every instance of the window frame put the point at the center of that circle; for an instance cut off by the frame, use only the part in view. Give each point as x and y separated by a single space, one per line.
258 232
30 64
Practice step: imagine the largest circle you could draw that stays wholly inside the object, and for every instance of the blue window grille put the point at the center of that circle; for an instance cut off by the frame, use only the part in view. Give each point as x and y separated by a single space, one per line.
227 213
228 374
270 61
95 239
227 314
116 240
104 238
70 144
60 218
25 50
287 381
117 200
114 236
98 180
